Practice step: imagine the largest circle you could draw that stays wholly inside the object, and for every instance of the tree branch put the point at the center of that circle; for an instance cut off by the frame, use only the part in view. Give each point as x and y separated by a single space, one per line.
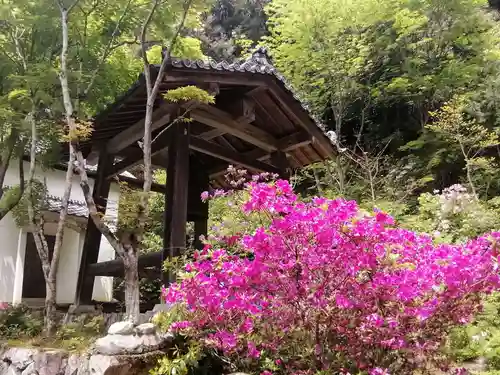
107 50
74 144
62 218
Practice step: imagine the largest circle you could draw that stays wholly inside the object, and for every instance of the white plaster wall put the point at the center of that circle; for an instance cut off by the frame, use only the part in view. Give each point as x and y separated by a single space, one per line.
13 244
54 178
9 239
103 286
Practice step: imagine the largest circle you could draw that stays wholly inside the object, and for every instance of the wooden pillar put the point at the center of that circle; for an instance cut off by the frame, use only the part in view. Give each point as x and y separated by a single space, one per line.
200 229
279 160
92 242
200 179
176 198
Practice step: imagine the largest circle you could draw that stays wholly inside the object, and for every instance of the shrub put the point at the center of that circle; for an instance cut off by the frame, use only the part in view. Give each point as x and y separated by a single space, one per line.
326 287
18 321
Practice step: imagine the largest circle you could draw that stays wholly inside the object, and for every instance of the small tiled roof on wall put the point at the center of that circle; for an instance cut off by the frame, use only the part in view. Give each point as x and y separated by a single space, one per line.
75 208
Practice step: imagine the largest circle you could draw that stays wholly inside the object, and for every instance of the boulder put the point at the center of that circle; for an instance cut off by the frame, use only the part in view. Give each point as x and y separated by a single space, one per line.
107 365
15 361
121 328
20 361
145 329
131 344
76 365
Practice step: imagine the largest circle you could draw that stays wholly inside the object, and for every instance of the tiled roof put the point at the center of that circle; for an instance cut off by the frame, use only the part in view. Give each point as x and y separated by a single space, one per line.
75 208
259 62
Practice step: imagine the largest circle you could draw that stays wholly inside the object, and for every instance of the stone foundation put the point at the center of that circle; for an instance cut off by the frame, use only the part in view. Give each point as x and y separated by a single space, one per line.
23 361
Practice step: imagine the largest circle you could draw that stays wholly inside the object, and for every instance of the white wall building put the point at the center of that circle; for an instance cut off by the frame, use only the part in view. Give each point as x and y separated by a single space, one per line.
21 278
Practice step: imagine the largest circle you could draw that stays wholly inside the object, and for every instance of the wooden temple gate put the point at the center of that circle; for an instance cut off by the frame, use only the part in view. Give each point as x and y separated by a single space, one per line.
256 123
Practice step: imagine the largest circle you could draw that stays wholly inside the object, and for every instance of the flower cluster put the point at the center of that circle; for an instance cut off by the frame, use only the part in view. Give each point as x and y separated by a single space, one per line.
328 287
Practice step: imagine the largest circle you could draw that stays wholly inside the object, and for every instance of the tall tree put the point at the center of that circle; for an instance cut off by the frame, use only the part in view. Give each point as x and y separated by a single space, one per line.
160 22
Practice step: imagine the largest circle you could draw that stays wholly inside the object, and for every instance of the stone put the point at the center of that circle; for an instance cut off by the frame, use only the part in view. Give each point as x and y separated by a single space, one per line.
75 365
21 361
106 365
49 362
16 360
145 329
30 370
131 344
121 328
162 307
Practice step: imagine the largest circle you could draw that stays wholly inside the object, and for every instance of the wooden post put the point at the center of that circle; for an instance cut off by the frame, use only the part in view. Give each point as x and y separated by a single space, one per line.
199 181
200 229
91 245
176 198
279 160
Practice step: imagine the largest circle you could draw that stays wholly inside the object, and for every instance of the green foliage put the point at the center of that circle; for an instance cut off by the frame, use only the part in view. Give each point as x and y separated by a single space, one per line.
182 361
481 338
19 321
453 215
38 198
186 93
187 356
79 334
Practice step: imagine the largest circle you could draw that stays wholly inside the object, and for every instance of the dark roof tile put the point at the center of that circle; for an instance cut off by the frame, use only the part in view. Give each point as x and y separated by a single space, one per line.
258 62
75 208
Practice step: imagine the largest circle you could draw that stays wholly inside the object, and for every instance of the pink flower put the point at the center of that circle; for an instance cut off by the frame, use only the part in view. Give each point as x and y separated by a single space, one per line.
252 350
375 286
178 326
204 196
379 371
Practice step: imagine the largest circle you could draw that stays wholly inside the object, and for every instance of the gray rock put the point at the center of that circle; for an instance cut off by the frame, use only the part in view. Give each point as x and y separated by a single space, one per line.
132 344
50 362
145 329
30 370
16 360
106 365
162 307
20 361
75 365
121 328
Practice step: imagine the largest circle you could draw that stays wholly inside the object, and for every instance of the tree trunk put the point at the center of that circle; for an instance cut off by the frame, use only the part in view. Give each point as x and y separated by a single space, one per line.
50 323
132 297
6 156
4 166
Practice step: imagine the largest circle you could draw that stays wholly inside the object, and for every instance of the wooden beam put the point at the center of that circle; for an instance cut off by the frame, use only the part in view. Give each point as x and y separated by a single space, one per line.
211 134
137 158
220 152
285 144
92 242
221 120
243 110
135 132
295 110
184 76
176 199
136 183
115 268
161 116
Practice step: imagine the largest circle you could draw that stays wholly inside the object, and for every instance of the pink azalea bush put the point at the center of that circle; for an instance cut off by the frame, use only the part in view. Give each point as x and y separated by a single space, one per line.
328 287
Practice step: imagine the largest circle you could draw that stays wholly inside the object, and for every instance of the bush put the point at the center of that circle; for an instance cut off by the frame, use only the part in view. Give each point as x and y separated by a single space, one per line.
80 333
326 287
18 320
